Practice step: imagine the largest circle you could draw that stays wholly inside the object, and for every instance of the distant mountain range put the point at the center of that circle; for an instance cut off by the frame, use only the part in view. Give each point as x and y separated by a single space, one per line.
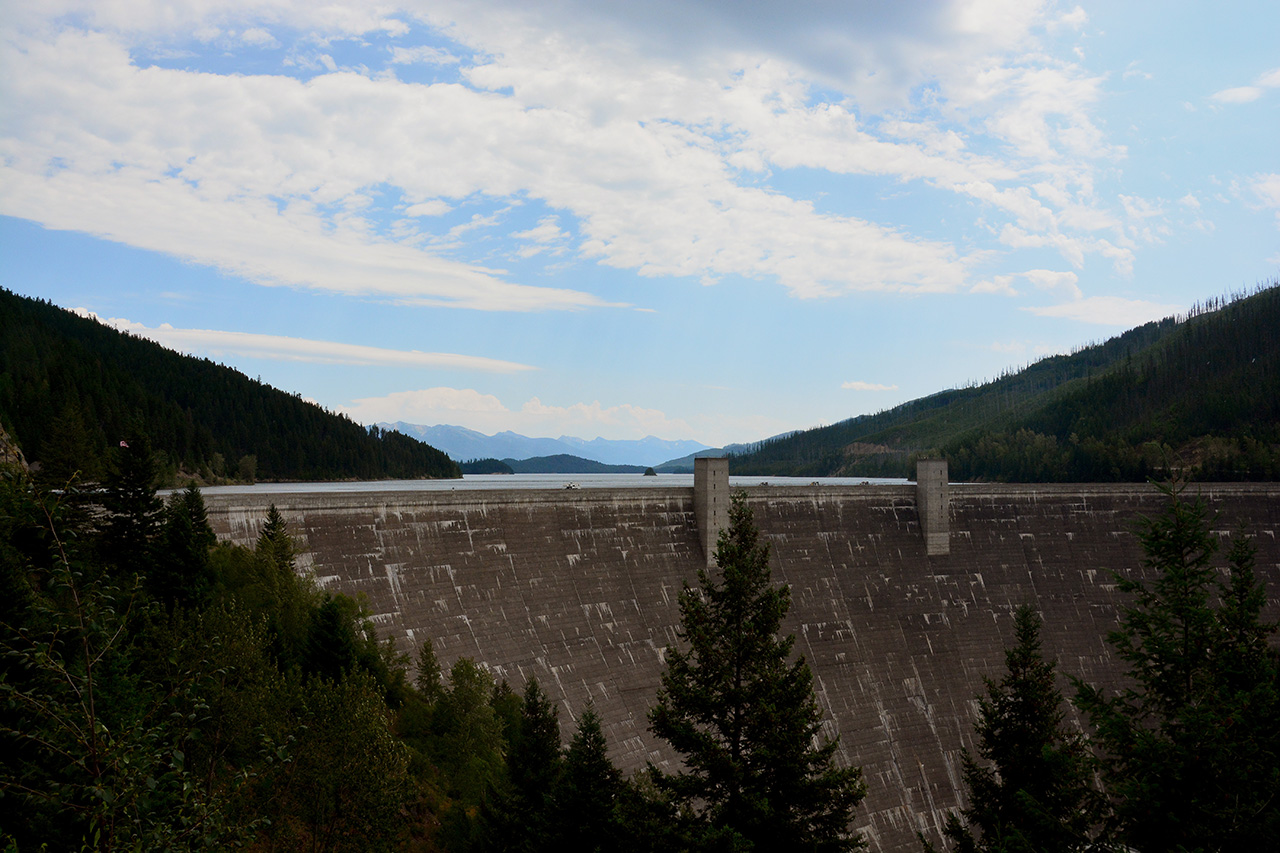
464 444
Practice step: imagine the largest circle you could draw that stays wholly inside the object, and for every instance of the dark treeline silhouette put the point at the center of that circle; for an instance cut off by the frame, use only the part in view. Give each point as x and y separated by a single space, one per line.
488 465
1196 396
71 387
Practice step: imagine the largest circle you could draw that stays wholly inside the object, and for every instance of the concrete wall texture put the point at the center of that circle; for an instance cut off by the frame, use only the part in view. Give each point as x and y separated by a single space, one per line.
711 499
578 588
933 502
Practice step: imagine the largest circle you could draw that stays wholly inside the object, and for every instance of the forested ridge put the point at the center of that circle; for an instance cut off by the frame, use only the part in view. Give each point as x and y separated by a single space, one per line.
560 463
1197 397
71 387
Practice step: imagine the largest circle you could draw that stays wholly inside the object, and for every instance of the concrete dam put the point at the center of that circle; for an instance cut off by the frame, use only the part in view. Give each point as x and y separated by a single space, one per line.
902 596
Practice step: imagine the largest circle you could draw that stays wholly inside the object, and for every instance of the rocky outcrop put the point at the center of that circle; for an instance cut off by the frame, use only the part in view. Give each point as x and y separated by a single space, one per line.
10 453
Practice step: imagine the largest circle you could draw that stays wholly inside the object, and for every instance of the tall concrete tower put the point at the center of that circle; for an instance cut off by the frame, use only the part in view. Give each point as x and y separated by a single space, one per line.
933 503
710 502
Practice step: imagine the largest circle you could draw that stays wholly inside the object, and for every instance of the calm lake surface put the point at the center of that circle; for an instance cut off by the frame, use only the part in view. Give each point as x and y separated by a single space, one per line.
535 481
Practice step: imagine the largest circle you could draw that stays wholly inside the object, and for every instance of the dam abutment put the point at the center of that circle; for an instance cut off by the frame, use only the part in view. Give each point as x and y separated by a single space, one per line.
579 588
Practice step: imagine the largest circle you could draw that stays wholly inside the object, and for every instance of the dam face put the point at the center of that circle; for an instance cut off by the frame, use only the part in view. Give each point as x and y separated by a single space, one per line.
579 589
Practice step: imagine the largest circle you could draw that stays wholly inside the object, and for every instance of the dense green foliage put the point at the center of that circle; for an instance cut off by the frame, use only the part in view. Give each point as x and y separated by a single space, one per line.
1199 397
1191 748
1187 754
744 718
179 698
71 387
589 798
1032 790
159 691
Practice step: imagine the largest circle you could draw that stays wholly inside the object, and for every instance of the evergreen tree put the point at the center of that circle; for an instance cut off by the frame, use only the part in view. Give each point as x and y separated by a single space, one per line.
1033 794
468 737
428 678
288 601
182 572
133 510
508 709
520 817
588 797
275 543
1192 751
347 785
332 648
68 450
744 718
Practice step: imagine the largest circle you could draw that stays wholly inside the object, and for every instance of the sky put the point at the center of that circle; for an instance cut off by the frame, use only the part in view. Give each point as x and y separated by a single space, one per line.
712 220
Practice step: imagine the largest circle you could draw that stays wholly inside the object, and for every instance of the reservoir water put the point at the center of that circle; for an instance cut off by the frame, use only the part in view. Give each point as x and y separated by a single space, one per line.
536 481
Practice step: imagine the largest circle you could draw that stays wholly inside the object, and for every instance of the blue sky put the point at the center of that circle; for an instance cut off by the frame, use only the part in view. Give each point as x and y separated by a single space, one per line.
695 220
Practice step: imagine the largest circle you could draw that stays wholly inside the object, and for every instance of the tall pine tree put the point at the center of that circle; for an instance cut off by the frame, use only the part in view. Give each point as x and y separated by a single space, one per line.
1033 792
1191 746
744 717
520 815
182 573
132 509
588 797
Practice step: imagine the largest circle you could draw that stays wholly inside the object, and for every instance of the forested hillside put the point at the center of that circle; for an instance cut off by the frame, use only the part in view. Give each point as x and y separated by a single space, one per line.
1199 397
563 463
71 387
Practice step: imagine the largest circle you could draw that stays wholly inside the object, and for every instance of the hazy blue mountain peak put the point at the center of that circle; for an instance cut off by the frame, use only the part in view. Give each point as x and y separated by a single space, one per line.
464 444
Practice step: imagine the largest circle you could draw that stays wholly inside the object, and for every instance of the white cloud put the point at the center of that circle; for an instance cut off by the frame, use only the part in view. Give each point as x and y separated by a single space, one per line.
857 385
425 54
546 236
1074 20
1001 284
1238 95
434 207
1134 72
211 342
1247 94
1053 280
486 413
1267 189
1108 311
636 125
253 239
258 37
